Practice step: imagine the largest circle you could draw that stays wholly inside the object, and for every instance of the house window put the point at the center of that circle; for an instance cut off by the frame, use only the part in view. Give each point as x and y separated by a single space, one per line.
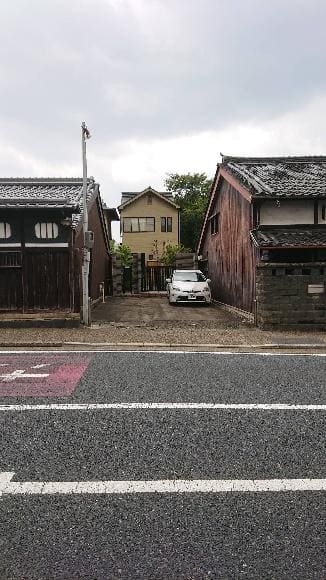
5 230
215 223
46 230
136 224
166 224
323 212
151 257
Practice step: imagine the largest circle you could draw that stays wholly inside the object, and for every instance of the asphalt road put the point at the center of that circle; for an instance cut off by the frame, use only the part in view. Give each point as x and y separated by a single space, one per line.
191 535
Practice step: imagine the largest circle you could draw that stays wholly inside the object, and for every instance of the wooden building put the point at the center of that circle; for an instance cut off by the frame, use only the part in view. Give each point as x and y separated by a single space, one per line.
267 219
41 242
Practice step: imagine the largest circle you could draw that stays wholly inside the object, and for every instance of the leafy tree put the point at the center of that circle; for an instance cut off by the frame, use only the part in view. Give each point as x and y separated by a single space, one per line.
123 251
169 255
191 193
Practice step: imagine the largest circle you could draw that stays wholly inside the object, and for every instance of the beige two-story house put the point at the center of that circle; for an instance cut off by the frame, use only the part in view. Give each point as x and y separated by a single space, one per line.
149 222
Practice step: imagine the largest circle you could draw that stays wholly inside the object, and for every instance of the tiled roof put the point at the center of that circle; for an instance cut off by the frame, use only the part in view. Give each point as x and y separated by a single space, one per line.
289 238
269 177
45 193
111 213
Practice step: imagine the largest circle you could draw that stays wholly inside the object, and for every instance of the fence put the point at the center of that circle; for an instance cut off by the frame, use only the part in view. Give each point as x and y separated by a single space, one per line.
154 278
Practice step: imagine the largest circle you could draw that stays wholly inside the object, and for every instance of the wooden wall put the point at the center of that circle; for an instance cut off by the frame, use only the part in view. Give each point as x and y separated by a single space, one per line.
230 255
99 266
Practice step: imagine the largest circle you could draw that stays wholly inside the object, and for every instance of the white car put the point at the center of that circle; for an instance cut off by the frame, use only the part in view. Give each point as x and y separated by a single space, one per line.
188 286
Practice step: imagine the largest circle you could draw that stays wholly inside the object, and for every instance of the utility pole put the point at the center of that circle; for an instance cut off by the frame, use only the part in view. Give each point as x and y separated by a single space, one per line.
86 253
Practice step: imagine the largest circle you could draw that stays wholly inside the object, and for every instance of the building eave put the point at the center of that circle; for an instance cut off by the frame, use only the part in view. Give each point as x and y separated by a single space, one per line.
144 192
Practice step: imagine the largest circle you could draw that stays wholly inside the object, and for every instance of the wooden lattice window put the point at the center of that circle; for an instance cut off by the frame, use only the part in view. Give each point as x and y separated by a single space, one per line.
46 230
10 260
5 231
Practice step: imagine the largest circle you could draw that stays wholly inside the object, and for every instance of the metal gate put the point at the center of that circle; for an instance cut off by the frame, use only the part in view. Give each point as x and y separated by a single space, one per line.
126 279
154 278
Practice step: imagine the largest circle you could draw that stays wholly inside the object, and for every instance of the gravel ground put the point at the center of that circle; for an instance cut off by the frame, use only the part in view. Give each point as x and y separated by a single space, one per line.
235 333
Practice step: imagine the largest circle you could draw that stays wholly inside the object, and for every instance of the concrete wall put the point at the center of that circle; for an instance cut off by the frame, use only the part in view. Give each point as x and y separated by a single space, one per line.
283 298
287 213
150 243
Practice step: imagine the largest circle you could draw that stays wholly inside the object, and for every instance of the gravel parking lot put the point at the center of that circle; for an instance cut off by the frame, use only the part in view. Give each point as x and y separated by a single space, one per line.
157 309
128 320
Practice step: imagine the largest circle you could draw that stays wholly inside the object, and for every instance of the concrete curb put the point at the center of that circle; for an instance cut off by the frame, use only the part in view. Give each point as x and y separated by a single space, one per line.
199 345
31 344
265 346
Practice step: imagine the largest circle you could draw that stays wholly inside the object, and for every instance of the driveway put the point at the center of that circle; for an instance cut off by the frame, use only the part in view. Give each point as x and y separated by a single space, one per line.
157 309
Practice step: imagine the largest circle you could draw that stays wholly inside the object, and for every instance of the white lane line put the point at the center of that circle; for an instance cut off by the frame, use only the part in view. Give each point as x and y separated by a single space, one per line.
186 406
161 486
5 478
171 351
21 374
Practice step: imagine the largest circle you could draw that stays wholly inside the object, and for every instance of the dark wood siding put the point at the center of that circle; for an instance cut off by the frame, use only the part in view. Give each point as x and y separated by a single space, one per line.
47 279
229 252
11 289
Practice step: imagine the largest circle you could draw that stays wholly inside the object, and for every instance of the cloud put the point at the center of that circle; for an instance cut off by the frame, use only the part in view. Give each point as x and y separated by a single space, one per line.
163 84
137 68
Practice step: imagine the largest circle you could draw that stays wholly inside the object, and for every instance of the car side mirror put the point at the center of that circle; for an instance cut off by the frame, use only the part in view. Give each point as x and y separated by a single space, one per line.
208 280
168 280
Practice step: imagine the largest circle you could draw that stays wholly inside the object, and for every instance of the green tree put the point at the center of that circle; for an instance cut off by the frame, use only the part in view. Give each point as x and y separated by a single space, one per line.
123 251
191 193
169 255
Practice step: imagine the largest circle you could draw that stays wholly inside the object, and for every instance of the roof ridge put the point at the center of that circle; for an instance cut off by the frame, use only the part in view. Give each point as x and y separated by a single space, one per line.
43 179
290 158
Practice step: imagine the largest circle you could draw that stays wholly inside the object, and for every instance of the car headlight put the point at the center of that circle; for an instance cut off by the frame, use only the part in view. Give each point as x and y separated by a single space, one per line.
176 288
206 289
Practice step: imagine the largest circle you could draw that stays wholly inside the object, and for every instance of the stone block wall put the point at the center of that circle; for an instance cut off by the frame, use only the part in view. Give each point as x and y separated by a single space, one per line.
287 295
116 275
136 273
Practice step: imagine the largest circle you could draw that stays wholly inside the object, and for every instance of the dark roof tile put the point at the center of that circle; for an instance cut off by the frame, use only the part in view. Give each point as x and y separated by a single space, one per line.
44 193
270 177
289 237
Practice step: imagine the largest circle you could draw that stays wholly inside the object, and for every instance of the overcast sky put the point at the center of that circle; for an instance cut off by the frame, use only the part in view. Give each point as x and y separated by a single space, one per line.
163 85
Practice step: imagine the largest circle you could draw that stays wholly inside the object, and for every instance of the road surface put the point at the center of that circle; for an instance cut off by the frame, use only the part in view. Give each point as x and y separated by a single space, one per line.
162 465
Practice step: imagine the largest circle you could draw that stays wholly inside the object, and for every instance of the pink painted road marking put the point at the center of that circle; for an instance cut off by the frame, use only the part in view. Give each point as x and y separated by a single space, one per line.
41 375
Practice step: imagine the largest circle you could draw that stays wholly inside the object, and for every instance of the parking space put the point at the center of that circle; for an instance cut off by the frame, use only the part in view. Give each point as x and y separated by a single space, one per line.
149 309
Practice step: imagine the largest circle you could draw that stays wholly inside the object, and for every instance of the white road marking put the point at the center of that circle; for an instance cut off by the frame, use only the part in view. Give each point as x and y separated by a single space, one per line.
21 374
186 406
40 366
9 487
5 478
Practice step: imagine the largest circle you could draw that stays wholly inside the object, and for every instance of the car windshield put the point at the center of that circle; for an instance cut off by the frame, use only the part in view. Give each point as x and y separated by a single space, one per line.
188 277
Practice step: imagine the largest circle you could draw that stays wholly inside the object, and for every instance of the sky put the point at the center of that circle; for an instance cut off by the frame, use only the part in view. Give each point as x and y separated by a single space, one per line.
163 85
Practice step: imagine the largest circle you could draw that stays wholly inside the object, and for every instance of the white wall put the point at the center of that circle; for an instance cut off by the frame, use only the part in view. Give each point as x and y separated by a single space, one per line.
320 211
287 213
